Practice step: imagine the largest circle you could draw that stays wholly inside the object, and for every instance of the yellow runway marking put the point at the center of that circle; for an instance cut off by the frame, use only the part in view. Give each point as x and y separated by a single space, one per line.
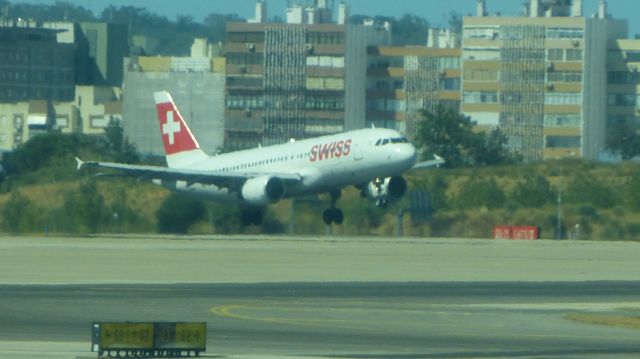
231 312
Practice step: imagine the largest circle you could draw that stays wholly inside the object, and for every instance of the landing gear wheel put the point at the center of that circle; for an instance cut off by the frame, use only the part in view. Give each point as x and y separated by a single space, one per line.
333 215
338 217
327 216
251 217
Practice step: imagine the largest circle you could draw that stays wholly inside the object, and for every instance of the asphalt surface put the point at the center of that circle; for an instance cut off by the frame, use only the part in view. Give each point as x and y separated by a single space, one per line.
263 310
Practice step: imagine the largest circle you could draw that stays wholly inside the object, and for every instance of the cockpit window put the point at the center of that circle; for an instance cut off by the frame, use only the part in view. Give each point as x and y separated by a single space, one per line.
386 141
399 140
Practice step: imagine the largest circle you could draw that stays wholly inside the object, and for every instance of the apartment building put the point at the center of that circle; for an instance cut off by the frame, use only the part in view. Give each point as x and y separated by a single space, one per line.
541 78
404 81
299 79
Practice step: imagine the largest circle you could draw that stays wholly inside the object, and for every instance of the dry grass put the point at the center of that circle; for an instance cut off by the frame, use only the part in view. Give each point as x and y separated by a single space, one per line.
610 320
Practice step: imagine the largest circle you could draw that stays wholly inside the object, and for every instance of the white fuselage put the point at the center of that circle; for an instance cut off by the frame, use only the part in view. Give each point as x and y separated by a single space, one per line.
325 163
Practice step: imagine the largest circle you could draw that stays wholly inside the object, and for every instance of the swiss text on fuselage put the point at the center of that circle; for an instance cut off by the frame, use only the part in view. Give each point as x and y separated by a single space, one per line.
334 149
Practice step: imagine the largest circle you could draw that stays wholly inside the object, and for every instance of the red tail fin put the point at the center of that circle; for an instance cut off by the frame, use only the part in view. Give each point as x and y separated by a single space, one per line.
176 136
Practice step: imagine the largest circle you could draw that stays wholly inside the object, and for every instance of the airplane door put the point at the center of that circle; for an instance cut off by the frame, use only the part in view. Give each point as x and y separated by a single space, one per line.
358 150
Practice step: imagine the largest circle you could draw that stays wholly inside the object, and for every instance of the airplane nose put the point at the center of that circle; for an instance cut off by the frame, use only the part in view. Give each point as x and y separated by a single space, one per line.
407 153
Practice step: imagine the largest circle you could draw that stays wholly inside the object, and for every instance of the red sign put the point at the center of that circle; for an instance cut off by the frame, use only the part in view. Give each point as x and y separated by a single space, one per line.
516 232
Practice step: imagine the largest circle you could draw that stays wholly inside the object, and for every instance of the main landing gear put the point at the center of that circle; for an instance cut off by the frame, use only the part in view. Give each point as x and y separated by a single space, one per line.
333 214
251 216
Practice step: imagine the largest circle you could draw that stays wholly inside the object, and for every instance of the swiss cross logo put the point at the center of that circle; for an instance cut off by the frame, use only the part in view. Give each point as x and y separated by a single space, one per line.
171 127
176 136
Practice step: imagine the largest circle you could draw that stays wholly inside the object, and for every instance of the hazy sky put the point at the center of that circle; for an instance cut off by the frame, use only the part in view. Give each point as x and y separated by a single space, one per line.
435 11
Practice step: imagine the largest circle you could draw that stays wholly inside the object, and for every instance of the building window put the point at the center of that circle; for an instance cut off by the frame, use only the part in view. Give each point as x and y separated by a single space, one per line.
562 76
562 120
564 33
555 54
62 122
563 98
562 141
326 61
481 97
449 62
481 32
574 55
98 122
623 77
620 99
481 75
451 84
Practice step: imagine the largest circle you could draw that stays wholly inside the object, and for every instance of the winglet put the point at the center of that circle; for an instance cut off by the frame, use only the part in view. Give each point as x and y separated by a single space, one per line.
79 163
435 162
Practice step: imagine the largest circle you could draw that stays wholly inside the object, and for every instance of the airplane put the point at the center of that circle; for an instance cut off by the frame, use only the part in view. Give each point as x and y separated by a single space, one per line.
371 159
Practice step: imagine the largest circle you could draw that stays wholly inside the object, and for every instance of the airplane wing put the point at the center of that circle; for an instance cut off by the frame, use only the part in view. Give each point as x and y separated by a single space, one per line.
437 161
225 179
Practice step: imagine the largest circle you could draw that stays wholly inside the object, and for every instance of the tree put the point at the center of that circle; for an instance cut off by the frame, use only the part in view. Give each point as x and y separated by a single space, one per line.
117 145
15 212
450 135
623 138
590 191
89 207
178 212
533 191
41 150
410 30
216 25
632 191
455 22
480 192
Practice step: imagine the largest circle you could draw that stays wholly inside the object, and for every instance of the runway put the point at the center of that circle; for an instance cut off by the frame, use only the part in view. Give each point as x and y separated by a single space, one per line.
350 320
281 297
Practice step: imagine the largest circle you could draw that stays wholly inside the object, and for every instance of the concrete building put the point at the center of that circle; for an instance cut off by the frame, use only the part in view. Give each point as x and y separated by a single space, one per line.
97 106
541 77
300 79
101 49
197 86
403 81
623 82
34 65
20 121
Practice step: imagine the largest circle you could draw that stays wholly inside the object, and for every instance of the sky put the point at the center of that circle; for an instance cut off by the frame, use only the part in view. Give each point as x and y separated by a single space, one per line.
435 11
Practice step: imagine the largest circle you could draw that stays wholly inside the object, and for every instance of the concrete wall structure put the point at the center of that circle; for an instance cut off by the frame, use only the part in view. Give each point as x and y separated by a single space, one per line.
199 96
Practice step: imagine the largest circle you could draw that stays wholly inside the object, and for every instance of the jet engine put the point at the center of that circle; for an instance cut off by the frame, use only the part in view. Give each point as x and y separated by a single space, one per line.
263 190
386 189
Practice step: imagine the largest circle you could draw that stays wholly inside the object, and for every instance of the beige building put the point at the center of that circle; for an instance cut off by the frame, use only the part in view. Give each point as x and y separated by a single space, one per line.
97 105
23 120
403 81
89 113
303 78
541 78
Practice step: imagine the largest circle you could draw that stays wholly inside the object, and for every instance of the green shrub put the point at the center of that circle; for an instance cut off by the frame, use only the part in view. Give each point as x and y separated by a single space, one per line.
178 212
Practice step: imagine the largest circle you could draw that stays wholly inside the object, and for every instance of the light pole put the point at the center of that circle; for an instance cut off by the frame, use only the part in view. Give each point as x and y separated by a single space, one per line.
559 218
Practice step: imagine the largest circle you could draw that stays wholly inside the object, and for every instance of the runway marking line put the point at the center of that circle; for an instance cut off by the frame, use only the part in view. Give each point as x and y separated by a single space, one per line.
230 312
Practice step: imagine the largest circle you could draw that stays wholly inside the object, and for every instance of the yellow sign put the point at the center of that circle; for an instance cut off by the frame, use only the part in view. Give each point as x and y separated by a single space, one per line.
126 335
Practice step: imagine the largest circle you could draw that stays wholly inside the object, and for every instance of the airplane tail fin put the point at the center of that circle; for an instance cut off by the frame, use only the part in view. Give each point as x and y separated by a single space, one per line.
180 146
